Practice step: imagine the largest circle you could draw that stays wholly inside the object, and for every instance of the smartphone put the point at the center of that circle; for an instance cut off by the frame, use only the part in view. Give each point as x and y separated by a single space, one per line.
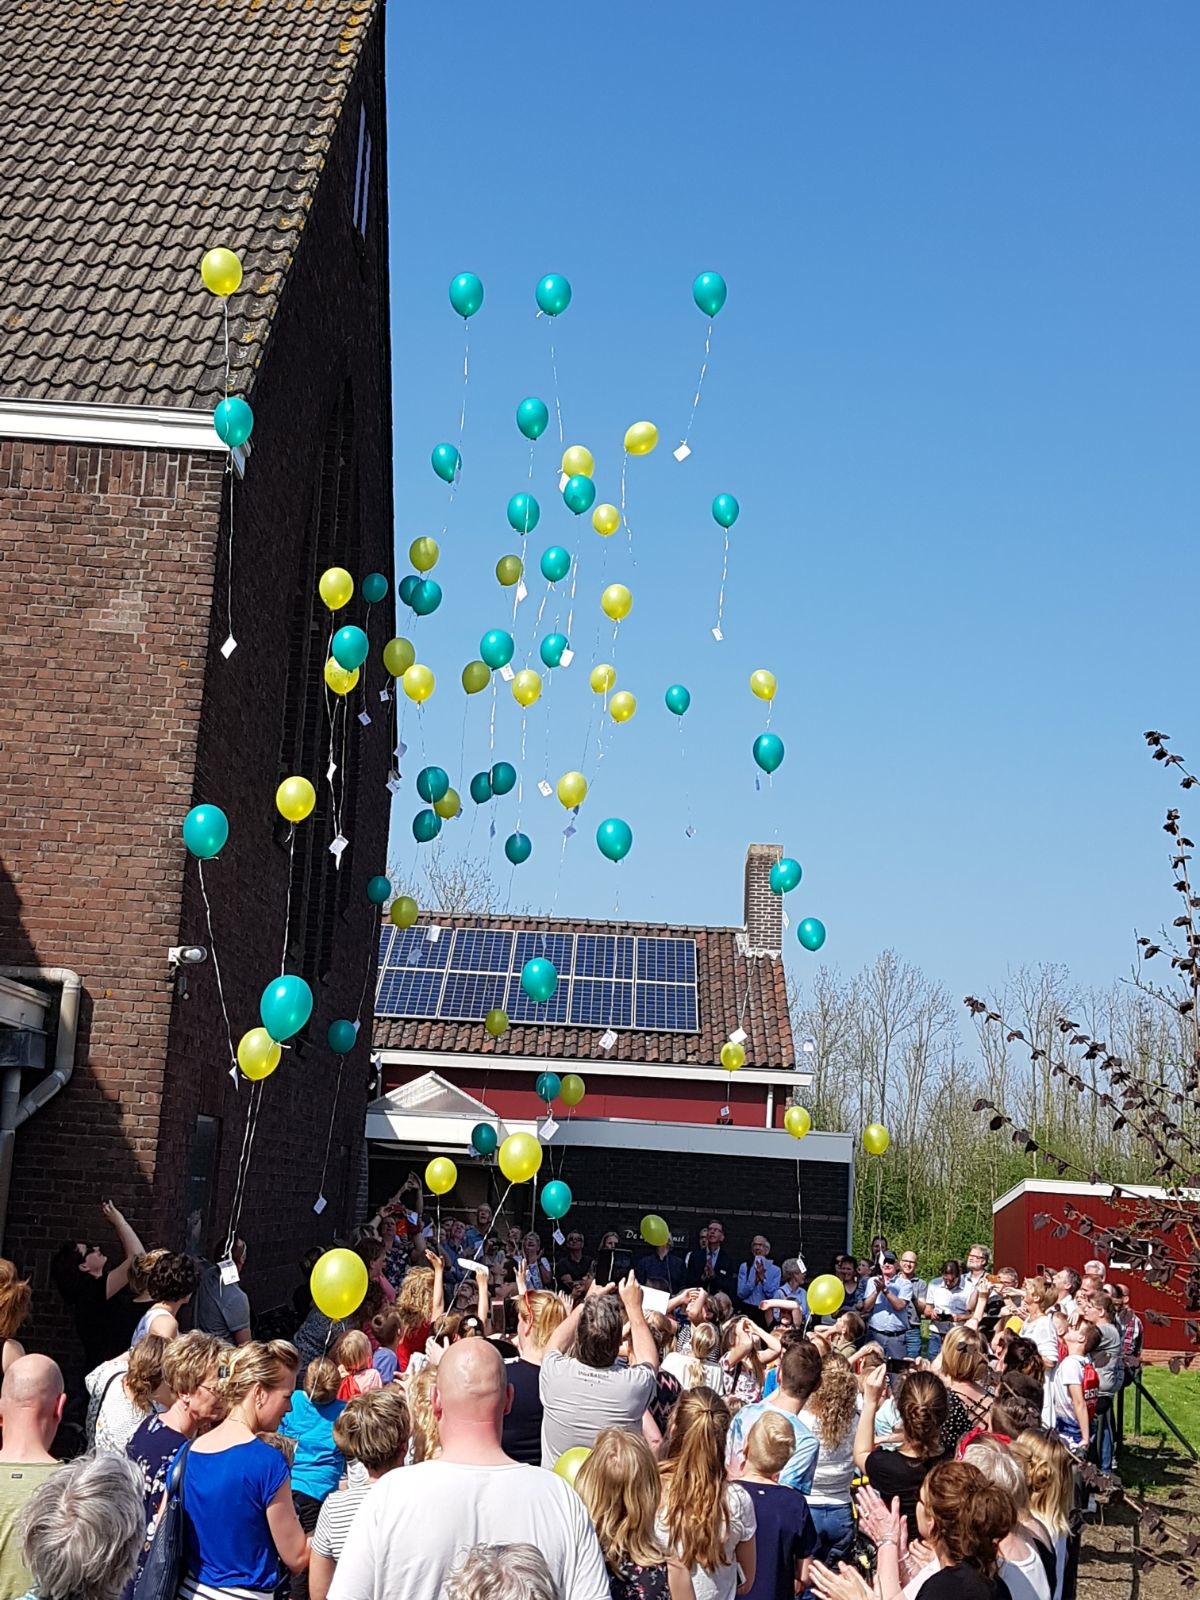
900 1364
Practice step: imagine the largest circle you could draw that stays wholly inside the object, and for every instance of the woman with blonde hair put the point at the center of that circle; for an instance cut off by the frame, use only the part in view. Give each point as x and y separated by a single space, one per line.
239 1520
831 1412
15 1301
619 1485
131 1395
704 1521
538 1315
700 1364
1027 1561
189 1366
1049 1473
425 1442
963 1364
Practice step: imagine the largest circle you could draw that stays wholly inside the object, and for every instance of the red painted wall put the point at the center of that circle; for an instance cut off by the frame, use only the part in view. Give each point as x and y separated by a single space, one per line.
1018 1243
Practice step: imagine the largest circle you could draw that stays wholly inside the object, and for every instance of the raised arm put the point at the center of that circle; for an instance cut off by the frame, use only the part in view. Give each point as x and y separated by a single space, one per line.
641 1340
864 1435
130 1244
437 1262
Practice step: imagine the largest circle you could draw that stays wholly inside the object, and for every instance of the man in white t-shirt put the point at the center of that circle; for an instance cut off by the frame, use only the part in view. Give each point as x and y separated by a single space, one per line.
415 1525
945 1304
586 1392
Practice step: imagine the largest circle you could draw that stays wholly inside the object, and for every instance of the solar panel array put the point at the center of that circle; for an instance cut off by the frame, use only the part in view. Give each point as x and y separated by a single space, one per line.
620 981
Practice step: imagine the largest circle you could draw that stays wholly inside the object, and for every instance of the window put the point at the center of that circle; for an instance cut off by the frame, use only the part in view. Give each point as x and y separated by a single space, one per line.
362 173
201 1184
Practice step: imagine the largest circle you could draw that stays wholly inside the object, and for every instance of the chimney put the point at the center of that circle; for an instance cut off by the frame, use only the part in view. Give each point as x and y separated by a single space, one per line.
764 910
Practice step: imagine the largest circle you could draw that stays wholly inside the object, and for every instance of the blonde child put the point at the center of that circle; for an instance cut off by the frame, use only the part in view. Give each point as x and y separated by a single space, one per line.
618 1483
353 1357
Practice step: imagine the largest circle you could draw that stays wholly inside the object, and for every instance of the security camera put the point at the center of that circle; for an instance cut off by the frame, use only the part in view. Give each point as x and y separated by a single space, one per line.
186 955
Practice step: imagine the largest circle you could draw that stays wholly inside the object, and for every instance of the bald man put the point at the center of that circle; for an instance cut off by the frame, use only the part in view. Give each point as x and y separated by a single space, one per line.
415 1525
31 1407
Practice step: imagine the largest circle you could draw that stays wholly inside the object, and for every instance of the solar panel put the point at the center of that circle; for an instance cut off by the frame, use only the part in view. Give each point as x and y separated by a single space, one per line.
604 980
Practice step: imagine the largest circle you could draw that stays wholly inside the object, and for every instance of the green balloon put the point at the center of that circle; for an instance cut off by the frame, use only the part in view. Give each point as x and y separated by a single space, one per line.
475 677
480 788
447 462
579 493
811 933
533 417
553 294
503 777
709 291
556 563
398 656
374 588
466 294
523 513
509 570
725 510
768 751
678 699
615 838
539 979
496 648
426 826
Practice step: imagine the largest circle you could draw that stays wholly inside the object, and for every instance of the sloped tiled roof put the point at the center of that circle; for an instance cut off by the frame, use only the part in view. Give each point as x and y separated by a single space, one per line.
137 134
733 990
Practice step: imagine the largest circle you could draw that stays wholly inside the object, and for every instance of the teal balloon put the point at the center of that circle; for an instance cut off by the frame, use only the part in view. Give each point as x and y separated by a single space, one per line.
496 648
548 1086
553 294
432 784
426 596
615 839
286 1006
406 587
518 847
524 513
484 1139
811 933
539 979
234 421
426 826
466 294
503 777
551 649
555 563
768 751
350 647
709 291
725 510
785 875
480 788
379 889
678 699
447 462
533 418
374 588
555 1199
579 493
341 1037
205 830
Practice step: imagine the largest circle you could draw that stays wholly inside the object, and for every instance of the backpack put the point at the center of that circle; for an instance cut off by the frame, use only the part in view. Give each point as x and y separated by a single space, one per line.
163 1566
1091 1387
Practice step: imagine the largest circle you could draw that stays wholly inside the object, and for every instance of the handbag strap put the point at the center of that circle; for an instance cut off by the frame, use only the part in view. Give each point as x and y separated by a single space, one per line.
175 1476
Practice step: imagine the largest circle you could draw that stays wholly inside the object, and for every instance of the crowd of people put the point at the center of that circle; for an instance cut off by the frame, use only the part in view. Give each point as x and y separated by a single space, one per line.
497 1424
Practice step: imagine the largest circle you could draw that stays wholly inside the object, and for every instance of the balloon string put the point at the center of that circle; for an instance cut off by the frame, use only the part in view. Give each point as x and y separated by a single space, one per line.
337 1093
238 1176
372 957
330 713
699 382
287 910
462 742
554 370
256 1098
687 788
342 753
492 721
212 945
531 461
462 420
624 519
724 579
229 558
225 308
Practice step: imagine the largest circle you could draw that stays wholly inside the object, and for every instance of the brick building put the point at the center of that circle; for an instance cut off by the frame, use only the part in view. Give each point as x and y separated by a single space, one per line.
641 1013
132 545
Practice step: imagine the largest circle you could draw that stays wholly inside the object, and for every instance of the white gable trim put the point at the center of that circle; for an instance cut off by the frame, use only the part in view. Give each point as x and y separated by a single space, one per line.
600 1066
136 427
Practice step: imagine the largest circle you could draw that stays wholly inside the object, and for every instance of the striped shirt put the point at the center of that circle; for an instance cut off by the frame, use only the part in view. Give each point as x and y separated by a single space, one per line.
337 1514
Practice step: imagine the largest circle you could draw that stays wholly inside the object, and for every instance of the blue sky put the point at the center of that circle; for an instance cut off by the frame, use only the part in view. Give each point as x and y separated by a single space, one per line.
953 388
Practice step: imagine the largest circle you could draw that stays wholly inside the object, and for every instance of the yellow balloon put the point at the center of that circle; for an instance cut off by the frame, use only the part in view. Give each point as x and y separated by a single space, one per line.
573 1089
441 1175
762 683
616 601
602 677
398 656
622 706
572 789
449 805
568 1464
733 1056
876 1138
526 687
606 519
258 1054
403 911
424 553
641 438
419 683
338 679
578 461
825 1295
335 586
797 1121
338 1283
520 1157
295 798
221 271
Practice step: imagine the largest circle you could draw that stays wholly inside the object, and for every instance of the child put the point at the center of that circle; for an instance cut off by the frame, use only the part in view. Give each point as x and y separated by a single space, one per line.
317 1463
785 1536
420 1301
386 1328
424 1443
353 1356
618 1483
372 1433
700 1365
1049 1470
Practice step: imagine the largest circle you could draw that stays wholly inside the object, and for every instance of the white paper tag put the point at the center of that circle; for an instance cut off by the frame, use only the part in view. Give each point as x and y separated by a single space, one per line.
229 647
717 635
548 1129
336 848
330 770
469 1264
522 591
787 922
738 1036
566 658
563 481
401 750
394 784
357 1026
233 1073
682 453
385 695
507 673
607 1039
658 1300
558 1236
569 831
319 1204
545 790
364 718
724 1112
229 1273
433 933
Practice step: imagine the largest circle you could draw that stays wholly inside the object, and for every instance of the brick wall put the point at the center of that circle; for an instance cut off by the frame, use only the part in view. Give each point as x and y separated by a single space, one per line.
119 713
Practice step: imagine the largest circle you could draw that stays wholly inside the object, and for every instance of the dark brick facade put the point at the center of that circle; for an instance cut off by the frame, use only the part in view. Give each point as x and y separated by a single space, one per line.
119 713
